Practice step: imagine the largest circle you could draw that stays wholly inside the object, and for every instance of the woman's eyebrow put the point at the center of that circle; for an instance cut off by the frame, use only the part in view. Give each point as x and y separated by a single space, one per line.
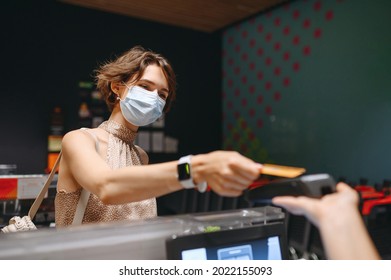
152 83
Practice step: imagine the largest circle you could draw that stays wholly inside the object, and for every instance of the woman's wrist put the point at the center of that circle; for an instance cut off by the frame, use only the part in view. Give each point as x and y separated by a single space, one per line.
198 167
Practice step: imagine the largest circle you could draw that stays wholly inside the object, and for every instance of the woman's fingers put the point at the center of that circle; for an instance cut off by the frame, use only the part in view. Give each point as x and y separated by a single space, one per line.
229 173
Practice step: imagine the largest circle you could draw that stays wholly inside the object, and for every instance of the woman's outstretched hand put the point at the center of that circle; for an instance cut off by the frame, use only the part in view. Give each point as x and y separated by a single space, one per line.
228 173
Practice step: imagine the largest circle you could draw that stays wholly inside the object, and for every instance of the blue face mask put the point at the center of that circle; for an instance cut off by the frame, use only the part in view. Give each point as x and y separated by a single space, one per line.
141 107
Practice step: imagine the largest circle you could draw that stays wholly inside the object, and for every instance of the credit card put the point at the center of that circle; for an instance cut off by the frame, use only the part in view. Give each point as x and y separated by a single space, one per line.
281 171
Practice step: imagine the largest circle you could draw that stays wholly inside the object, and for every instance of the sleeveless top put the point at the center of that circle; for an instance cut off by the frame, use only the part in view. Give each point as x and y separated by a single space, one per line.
121 152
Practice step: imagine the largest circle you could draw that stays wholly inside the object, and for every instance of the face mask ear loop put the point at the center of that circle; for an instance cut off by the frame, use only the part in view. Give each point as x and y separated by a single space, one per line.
125 85
118 97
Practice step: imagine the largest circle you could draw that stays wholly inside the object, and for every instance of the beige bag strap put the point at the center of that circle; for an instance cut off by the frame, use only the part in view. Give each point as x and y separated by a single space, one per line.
85 195
81 207
37 202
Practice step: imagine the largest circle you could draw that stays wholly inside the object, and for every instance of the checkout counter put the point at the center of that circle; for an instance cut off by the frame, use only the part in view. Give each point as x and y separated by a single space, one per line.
254 233
234 233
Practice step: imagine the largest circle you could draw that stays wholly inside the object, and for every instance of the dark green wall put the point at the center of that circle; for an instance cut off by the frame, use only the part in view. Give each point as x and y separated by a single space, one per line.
333 114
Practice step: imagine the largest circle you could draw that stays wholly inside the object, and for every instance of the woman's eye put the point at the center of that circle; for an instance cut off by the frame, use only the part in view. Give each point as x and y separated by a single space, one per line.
163 96
144 86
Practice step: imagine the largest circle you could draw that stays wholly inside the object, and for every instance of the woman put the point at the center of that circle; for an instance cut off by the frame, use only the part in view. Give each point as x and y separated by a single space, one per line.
137 87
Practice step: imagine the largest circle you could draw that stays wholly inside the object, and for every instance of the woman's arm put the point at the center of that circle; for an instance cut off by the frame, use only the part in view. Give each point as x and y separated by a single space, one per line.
342 229
227 173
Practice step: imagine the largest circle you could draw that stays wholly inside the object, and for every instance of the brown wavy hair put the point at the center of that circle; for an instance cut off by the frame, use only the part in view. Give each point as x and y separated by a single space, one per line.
132 64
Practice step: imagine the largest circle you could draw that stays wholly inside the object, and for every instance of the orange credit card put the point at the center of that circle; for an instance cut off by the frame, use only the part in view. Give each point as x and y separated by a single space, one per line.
281 171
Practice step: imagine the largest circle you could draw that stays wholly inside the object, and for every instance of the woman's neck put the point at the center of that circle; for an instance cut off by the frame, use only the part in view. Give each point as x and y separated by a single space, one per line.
116 115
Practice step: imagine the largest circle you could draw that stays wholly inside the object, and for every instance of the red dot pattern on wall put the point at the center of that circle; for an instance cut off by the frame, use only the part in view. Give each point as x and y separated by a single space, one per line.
260 75
296 14
251 89
287 30
329 15
243 124
262 55
243 147
296 66
277 71
306 50
317 33
317 5
296 40
252 43
277 96
306 23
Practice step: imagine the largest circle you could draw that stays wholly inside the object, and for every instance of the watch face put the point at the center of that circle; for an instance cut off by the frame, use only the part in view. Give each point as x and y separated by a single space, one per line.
184 171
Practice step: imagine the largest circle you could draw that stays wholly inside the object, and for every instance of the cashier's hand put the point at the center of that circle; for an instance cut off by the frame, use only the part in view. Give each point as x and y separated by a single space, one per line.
228 173
330 206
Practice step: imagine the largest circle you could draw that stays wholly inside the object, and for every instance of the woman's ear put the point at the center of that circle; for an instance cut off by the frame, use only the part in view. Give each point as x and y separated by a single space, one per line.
116 88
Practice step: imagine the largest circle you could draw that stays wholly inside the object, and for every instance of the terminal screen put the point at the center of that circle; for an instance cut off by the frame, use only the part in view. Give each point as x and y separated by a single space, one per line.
261 249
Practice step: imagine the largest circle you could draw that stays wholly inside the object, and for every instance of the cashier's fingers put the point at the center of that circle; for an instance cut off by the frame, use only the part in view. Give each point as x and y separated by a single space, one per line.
299 206
346 189
295 205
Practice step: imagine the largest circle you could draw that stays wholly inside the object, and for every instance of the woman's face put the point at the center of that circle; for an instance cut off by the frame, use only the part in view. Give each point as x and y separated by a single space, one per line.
153 79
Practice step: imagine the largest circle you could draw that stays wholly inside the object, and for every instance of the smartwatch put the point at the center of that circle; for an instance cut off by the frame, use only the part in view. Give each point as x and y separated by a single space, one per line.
185 177
184 172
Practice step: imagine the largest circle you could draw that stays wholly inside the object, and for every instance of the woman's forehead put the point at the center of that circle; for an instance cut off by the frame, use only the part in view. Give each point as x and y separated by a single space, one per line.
155 74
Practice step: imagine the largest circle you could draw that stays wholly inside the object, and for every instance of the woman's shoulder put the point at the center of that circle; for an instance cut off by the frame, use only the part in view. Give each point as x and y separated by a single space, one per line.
76 136
73 134
81 131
